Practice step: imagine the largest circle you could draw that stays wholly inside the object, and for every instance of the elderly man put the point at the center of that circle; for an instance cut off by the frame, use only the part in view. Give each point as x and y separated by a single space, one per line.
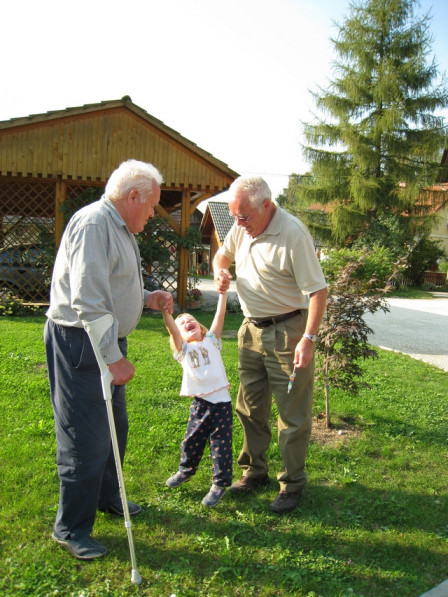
283 295
97 271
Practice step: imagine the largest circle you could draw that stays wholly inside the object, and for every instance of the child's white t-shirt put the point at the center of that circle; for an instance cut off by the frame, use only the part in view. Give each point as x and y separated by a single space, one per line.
203 370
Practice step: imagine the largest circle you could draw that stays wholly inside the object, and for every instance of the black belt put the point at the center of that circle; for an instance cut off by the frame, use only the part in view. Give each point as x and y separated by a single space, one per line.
264 323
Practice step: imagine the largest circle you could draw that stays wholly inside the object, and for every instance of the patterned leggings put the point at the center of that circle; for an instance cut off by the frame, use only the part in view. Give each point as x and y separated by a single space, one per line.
213 422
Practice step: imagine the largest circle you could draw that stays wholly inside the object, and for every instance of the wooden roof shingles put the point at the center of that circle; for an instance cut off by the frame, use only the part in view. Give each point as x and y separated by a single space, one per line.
217 215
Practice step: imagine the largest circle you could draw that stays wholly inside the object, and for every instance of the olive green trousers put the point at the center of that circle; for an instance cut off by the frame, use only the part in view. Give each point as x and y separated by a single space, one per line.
265 362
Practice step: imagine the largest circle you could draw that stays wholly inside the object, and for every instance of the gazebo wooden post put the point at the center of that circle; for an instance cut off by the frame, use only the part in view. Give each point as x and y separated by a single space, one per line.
60 197
184 254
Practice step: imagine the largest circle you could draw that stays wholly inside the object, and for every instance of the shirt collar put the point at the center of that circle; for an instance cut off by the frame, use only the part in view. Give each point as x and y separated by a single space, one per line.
274 226
109 205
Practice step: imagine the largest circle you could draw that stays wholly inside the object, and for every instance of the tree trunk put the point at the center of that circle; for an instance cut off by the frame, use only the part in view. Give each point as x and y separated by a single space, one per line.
327 397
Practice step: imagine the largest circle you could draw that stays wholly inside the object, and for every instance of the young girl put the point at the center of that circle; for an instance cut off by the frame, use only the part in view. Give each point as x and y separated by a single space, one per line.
204 378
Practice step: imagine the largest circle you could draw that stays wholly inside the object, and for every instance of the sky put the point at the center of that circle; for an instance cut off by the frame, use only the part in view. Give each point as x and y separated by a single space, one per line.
233 76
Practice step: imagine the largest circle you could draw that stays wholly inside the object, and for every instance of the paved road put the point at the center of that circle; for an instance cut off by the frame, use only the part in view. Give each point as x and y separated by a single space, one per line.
417 327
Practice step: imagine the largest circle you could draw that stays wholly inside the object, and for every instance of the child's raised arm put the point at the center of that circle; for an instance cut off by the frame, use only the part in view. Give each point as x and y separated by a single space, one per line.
218 321
173 330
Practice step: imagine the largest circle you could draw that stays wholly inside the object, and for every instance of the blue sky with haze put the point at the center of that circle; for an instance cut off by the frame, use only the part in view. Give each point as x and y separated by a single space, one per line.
233 76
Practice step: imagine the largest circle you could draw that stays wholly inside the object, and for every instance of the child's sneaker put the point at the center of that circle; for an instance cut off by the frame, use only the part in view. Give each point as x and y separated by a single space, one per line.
178 479
213 496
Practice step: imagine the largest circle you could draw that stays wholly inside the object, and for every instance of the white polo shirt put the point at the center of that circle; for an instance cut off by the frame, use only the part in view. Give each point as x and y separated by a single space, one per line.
277 270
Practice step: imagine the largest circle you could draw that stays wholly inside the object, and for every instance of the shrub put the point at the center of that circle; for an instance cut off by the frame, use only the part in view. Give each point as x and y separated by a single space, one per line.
373 266
443 267
423 257
343 343
10 305
193 295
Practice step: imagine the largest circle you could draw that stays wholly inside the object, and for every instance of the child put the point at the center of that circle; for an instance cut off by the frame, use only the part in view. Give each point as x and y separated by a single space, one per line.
204 378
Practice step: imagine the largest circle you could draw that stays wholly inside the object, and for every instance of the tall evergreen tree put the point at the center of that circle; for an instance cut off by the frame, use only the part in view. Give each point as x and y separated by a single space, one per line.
379 139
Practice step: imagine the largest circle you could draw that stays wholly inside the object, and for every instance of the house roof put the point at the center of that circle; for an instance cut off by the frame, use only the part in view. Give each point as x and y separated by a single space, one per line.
434 197
217 217
88 142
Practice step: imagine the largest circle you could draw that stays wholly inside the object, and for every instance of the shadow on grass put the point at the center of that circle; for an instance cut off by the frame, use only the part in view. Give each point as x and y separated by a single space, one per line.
342 537
398 428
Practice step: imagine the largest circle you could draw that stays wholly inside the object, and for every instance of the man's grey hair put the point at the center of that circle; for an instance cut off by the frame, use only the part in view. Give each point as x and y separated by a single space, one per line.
130 175
256 188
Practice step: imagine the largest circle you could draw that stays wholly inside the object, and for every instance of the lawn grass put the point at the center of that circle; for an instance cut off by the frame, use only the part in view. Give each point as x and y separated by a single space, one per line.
372 521
412 292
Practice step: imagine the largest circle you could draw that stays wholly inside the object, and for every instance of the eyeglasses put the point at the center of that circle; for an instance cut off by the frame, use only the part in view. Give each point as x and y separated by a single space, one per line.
243 219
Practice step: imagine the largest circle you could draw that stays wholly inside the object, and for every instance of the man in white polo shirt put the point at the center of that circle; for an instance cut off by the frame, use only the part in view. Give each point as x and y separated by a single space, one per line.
283 295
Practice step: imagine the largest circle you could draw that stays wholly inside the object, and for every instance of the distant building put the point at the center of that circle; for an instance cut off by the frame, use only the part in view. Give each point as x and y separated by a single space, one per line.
216 223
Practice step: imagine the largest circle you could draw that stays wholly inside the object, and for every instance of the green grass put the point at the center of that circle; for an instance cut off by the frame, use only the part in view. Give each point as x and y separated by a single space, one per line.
411 292
372 521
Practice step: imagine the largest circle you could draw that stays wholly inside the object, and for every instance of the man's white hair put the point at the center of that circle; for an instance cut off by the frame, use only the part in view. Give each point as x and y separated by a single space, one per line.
256 188
130 175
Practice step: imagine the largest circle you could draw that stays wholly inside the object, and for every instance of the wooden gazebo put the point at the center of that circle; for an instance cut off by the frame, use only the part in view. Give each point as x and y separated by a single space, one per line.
46 158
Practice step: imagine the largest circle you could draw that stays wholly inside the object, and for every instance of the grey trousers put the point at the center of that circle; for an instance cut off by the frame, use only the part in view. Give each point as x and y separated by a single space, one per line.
265 364
84 454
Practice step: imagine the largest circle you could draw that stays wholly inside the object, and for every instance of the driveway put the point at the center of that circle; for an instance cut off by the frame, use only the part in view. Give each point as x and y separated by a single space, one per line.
207 287
416 327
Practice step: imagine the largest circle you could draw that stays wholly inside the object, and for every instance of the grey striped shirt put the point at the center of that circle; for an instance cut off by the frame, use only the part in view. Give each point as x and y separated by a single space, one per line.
97 271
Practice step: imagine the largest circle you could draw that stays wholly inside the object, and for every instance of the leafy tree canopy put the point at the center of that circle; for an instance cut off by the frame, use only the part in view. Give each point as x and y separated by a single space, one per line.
379 139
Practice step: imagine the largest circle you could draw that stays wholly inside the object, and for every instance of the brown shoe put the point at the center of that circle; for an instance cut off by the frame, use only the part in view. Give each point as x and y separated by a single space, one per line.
286 501
248 484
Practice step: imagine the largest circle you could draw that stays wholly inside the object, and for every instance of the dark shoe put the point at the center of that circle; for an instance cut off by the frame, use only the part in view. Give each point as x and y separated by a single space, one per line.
286 501
85 548
248 484
178 479
117 508
213 496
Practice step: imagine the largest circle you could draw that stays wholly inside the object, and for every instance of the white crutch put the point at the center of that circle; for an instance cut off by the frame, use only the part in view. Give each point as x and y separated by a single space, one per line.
96 330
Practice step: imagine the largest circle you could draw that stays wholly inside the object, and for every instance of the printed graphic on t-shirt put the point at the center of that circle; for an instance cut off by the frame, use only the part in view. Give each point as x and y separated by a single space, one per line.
194 357
204 353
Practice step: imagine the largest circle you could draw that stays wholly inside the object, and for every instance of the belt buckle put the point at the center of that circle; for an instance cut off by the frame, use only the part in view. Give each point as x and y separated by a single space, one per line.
260 323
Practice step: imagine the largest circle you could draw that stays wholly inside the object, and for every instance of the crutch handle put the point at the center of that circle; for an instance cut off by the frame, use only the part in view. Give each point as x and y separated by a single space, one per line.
96 330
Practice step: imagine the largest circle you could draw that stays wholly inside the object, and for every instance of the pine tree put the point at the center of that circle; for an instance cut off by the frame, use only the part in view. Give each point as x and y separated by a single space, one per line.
379 140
